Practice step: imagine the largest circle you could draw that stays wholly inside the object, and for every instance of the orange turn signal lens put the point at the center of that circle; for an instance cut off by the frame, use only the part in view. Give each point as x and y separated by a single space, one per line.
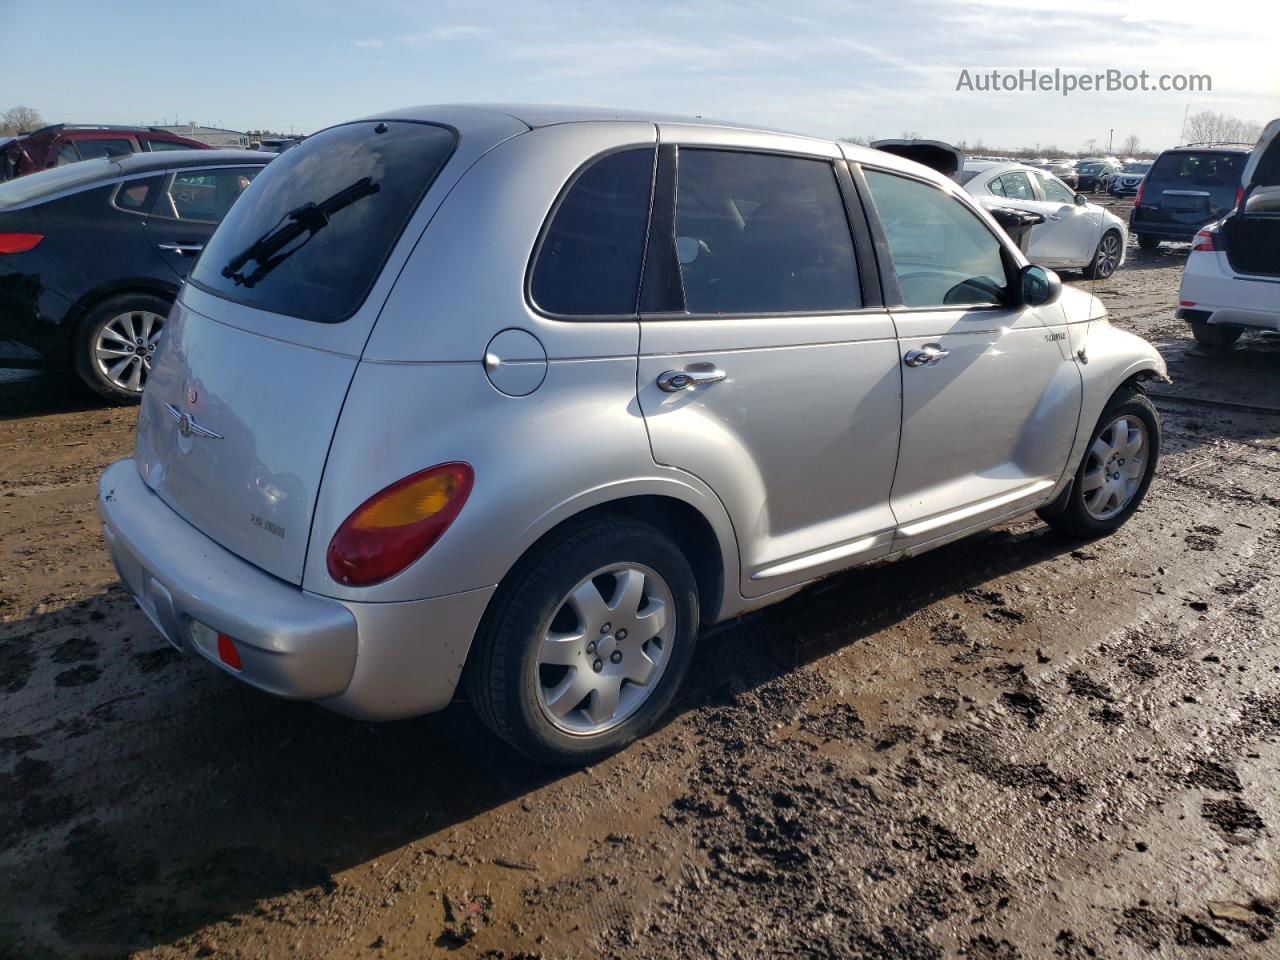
397 525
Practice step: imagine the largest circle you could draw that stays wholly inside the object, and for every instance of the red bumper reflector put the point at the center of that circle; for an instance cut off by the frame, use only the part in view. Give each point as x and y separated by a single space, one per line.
19 242
1186 303
227 651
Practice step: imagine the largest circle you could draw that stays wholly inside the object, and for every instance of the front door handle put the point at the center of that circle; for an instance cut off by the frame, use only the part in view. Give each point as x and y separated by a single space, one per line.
930 355
182 249
673 381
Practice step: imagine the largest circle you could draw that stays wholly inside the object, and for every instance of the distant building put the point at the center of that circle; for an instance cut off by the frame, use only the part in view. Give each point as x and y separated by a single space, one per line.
213 136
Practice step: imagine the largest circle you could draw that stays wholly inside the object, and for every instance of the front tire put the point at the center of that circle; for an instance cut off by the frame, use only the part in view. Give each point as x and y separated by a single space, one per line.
586 642
115 343
1116 470
1214 336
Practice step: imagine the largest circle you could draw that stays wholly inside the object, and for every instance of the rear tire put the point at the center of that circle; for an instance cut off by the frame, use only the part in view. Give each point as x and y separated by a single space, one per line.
542 669
1214 336
1106 258
1147 242
112 348
1091 508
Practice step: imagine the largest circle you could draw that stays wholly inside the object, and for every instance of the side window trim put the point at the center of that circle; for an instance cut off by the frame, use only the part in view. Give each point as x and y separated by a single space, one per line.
1007 258
550 220
660 216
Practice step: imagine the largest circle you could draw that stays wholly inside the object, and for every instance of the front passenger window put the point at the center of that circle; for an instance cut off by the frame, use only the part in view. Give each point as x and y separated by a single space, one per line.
943 254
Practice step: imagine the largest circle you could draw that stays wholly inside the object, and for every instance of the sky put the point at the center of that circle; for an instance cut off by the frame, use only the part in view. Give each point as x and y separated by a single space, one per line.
816 66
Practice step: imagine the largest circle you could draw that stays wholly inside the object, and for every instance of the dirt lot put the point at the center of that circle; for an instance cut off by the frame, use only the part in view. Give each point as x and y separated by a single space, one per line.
1016 746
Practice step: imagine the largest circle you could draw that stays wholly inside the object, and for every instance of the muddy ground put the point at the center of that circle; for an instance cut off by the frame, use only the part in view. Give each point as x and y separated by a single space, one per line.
1016 746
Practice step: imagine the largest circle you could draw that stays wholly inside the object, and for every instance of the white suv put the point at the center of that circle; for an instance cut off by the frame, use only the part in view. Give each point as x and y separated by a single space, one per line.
1232 279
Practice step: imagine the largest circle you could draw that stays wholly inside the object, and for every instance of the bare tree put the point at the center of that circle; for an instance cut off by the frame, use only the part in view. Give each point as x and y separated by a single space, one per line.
860 141
1090 145
1130 145
1209 127
910 135
19 120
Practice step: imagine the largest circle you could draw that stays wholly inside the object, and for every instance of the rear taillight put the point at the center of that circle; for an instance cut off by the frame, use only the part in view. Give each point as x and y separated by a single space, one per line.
19 242
398 524
1137 197
1205 240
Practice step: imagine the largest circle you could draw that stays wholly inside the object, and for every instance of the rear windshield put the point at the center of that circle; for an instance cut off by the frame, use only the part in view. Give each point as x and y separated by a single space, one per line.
1200 168
46 183
964 176
310 235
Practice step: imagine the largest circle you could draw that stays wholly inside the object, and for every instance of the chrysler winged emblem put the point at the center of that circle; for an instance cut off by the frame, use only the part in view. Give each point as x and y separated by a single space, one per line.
187 425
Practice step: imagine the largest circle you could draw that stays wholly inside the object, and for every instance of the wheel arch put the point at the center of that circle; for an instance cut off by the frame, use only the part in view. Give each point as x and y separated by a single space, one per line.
714 563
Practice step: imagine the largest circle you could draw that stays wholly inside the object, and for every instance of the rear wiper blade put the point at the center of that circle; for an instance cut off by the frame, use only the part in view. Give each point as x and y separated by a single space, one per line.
307 219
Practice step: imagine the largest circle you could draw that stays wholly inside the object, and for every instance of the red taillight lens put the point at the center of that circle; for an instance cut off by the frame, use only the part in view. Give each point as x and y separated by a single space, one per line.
398 524
1137 197
1204 240
227 651
19 242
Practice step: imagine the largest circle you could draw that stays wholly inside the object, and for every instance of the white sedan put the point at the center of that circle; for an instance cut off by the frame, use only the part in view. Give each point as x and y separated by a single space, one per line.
1075 235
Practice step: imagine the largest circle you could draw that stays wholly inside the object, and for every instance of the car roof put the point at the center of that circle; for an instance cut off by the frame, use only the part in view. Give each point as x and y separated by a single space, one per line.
482 116
534 115
1210 148
171 159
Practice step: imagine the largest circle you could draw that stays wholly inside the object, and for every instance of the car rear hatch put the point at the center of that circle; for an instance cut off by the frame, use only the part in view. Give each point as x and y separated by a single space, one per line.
1252 234
1189 188
260 349
948 160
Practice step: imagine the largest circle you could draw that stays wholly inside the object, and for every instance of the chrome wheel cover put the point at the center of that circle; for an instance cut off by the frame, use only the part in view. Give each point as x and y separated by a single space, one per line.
125 347
605 649
1114 467
1108 256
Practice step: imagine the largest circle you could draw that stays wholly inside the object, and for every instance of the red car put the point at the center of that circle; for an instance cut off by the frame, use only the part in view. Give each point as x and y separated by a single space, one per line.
67 143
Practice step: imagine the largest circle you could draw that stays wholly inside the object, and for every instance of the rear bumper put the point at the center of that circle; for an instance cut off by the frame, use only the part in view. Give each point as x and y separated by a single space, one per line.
1212 293
1165 231
374 661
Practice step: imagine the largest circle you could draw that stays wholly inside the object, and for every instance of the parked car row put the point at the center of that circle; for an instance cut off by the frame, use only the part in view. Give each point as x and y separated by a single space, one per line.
519 398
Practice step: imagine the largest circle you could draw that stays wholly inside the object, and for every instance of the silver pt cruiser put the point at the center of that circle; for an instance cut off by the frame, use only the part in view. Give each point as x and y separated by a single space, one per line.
520 397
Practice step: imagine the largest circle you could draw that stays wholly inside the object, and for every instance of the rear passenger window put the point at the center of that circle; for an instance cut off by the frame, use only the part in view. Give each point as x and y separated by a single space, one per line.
137 195
942 253
1017 186
103 148
760 233
590 257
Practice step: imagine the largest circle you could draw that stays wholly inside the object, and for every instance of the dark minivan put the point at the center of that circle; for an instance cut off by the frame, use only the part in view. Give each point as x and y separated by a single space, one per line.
1186 188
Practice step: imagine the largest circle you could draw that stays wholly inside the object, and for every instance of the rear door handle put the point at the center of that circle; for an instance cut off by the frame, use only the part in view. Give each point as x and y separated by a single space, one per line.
182 249
673 381
930 355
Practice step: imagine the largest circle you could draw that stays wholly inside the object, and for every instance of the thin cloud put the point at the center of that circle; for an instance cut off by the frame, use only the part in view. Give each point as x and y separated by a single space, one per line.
371 44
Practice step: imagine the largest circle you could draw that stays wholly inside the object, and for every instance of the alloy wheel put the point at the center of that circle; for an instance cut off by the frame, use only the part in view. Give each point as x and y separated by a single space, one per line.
605 649
1108 256
125 347
1115 467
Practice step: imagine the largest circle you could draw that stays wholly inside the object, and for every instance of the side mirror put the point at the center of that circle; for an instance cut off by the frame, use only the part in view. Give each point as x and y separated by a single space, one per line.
1037 286
1081 200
